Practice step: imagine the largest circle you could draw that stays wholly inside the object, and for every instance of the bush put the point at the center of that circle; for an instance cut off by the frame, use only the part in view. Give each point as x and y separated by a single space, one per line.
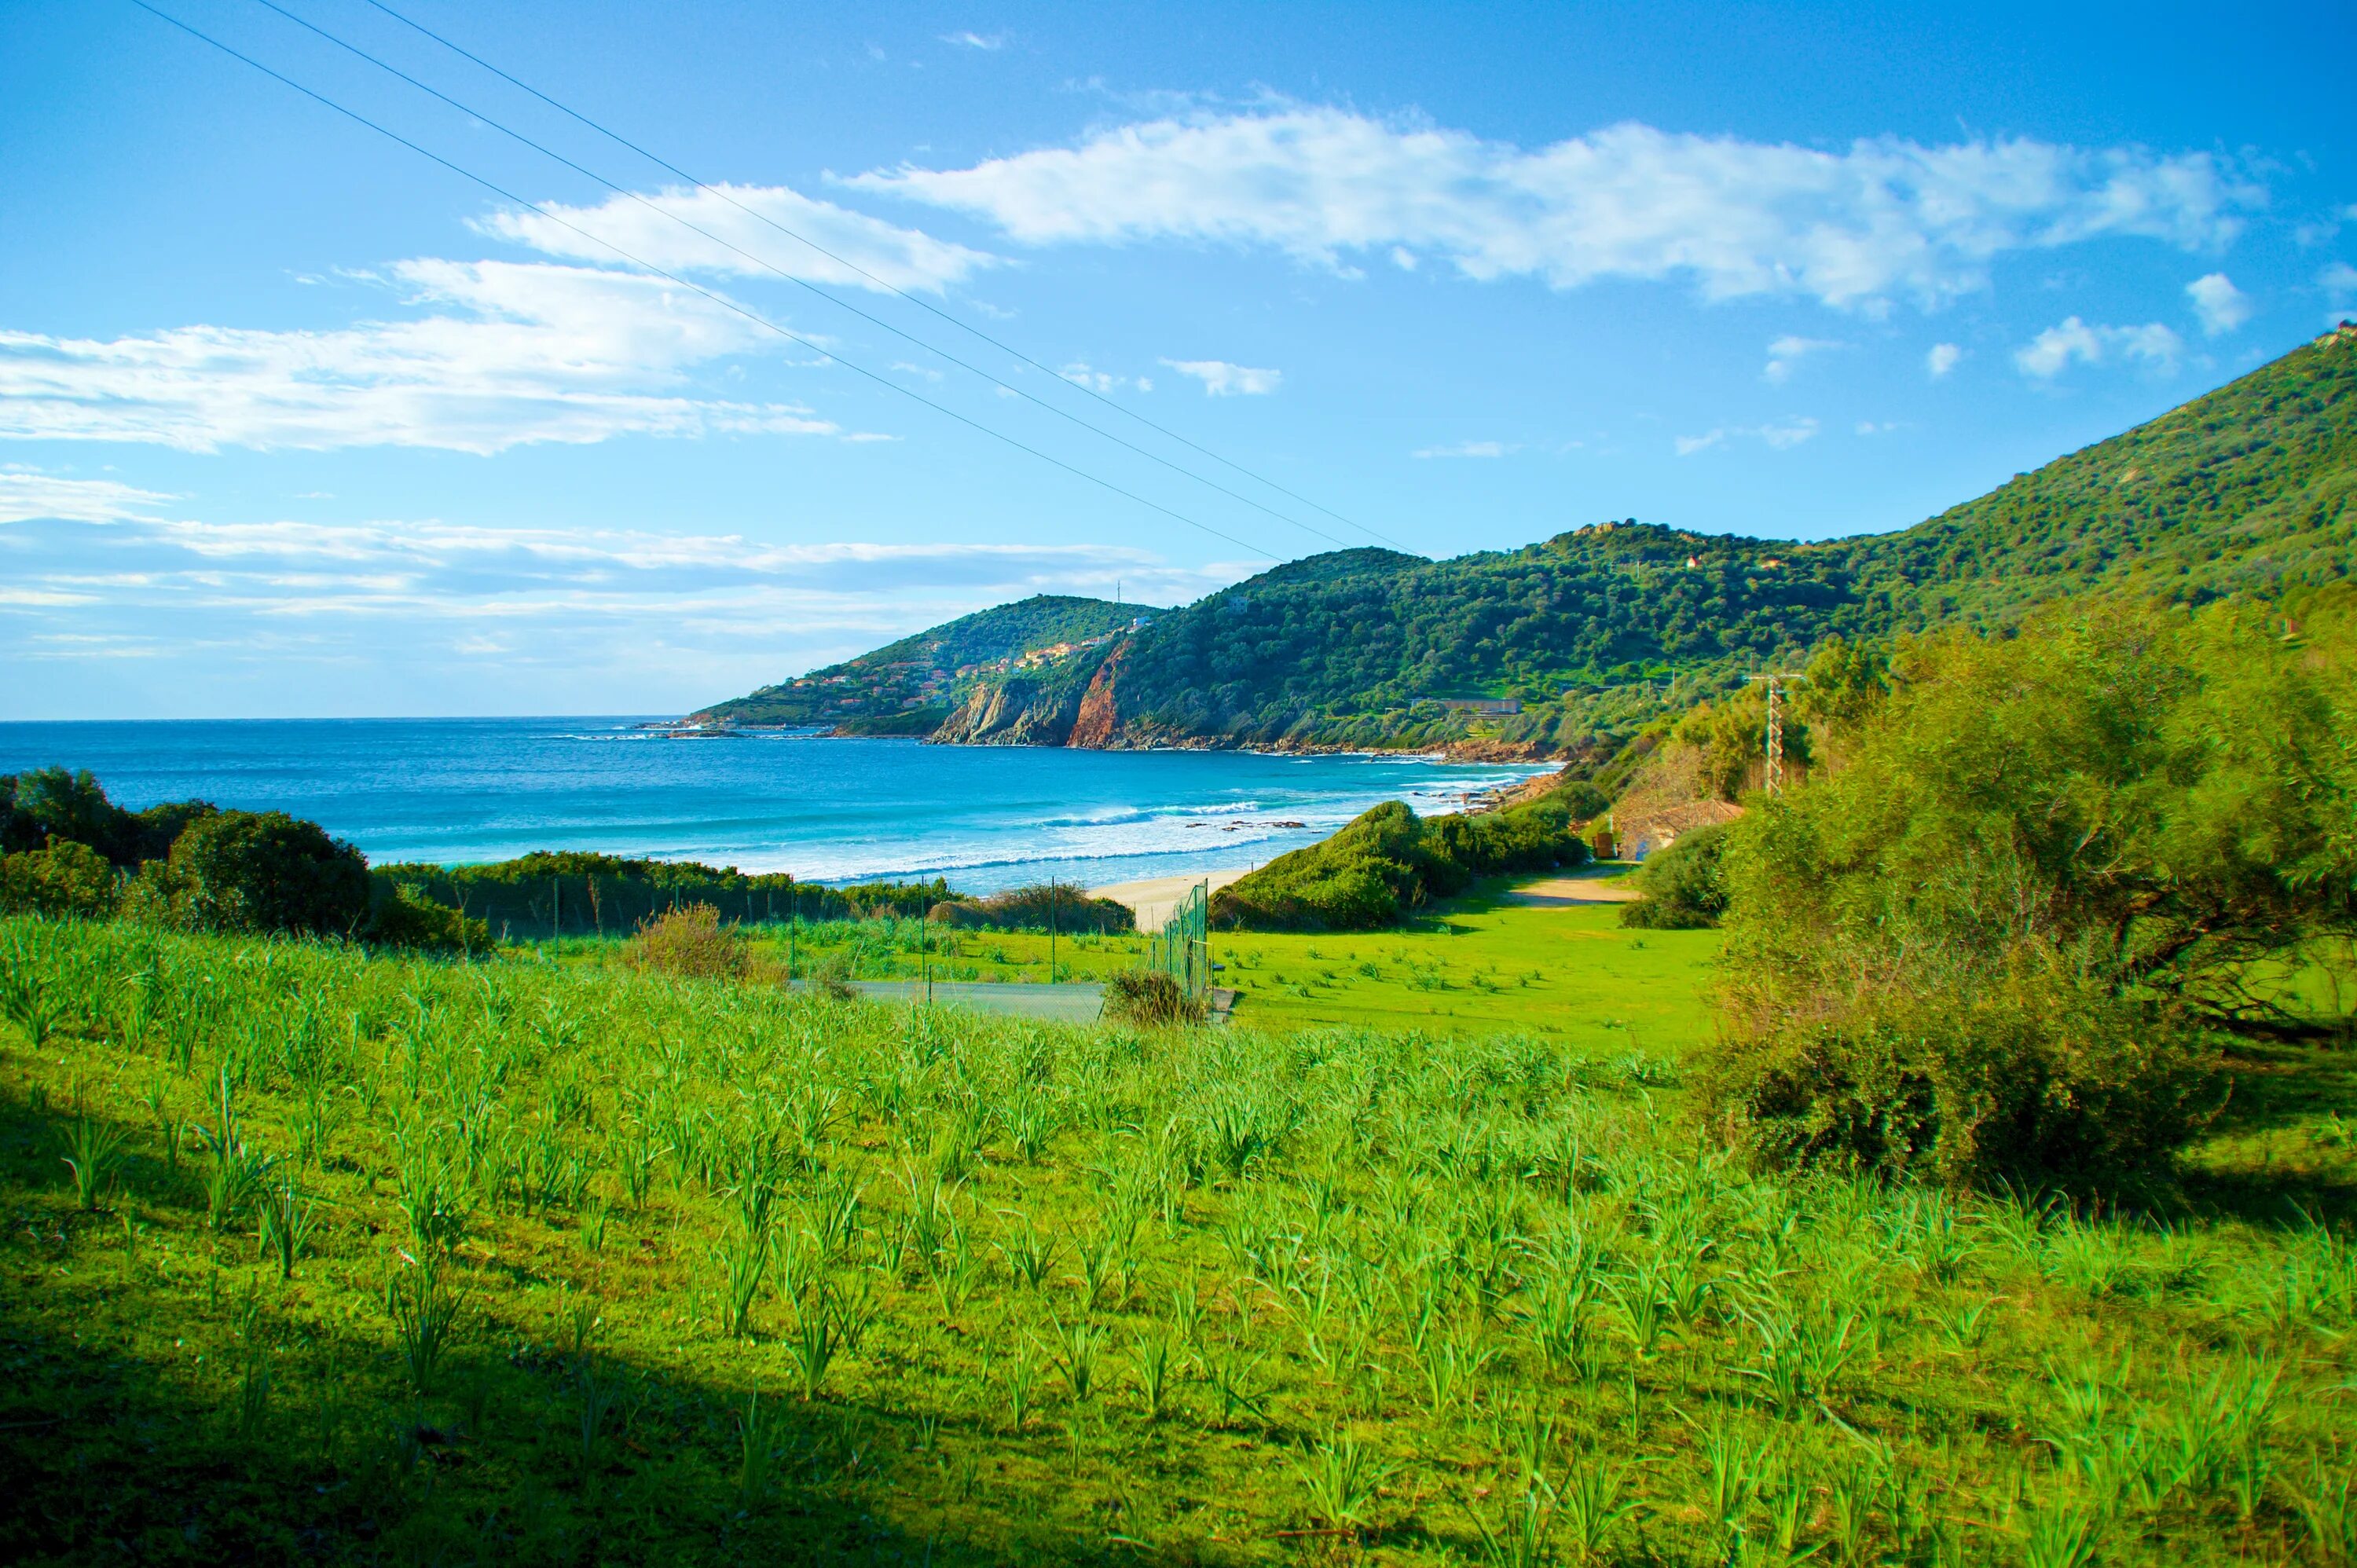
1036 908
261 872
832 976
689 942
64 880
50 803
2039 1075
1150 997
1998 943
406 918
1582 800
1684 885
1387 862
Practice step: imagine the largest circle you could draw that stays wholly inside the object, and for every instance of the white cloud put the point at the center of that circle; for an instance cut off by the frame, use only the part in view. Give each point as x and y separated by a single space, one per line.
1942 358
1787 351
1222 379
1880 219
27 493
2052 351
529 352
984 41
1467 449
2338 281
2218 304
1080 373
654 230
226 574
1779 434
282 617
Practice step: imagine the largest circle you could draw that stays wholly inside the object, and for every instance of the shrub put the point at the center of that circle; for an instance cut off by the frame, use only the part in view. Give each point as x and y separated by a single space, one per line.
406 918
263 872
1582 800
50 803
65 880
689 942
2039 1074
1996 944
1036 908
1684 885
1387 862
1150 996
833 975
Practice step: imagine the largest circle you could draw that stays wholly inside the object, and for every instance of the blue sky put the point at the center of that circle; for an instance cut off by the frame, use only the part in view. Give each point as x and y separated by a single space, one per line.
294 421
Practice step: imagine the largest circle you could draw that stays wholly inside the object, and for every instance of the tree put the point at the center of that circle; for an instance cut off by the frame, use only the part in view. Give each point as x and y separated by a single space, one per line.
52 803
1996 943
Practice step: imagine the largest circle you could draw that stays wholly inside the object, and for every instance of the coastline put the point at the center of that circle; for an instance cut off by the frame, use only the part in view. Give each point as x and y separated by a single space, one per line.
1467 748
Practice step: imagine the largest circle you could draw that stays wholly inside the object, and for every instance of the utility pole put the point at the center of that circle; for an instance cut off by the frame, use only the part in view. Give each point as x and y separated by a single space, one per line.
1773 782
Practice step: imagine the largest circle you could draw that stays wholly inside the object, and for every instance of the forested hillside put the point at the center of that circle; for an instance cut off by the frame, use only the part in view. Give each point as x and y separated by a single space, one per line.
910 686
1596 630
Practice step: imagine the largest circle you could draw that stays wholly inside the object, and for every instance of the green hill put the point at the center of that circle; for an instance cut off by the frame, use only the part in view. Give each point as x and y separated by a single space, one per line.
1596 630
908 687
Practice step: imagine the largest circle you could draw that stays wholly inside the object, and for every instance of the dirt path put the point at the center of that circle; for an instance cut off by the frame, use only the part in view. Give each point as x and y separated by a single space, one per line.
1606 884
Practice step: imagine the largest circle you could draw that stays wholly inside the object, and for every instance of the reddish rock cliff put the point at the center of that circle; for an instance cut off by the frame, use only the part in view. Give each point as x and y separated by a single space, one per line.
1098 725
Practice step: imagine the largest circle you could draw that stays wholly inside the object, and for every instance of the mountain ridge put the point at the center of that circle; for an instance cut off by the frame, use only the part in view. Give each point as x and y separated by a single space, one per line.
1596 631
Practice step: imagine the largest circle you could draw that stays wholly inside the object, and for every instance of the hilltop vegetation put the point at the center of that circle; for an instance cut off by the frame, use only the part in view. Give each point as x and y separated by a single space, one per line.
1598 631
2247 488
908 687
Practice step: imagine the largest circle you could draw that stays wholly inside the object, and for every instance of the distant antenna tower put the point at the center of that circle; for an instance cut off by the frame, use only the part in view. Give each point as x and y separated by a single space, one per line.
1774 780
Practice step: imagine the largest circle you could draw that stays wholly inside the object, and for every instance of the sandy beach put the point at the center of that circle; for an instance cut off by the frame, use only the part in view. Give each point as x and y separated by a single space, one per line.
1156 897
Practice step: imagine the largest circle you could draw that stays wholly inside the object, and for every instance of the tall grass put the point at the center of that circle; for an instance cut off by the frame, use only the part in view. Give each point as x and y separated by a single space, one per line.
617 1265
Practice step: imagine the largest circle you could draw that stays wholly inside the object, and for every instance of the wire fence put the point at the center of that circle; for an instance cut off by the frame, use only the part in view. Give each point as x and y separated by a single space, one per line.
535 909
1182 949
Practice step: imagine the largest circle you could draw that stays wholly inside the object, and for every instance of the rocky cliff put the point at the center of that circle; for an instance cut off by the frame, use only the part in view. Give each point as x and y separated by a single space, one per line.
1097 723
1017 712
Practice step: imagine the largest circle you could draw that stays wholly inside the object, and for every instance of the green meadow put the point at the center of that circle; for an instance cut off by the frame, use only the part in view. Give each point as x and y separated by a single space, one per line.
321 1256
1478 964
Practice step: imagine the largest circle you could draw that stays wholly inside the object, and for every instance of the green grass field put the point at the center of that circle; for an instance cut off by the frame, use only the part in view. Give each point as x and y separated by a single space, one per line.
315 1256
1478 965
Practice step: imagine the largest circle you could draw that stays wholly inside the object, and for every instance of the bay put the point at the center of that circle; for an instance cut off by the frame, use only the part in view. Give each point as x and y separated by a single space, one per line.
832 809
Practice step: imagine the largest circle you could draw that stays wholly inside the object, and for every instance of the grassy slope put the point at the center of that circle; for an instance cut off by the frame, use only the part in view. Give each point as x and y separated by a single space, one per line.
1392 1265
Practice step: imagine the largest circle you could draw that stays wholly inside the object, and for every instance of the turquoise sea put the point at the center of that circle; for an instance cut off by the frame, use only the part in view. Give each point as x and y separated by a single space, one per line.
455 790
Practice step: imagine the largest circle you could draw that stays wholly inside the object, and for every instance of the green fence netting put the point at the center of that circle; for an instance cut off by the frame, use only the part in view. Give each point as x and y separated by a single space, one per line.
1183 948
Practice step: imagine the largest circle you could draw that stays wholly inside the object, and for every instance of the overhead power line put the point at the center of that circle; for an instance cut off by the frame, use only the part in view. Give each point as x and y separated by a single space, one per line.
722 300
885 284
763 263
